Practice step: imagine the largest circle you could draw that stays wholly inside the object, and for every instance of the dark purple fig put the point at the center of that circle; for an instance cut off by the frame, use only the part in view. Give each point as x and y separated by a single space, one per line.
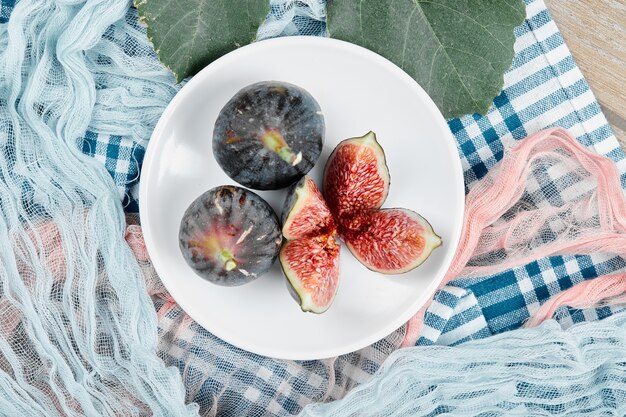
269 135
230 236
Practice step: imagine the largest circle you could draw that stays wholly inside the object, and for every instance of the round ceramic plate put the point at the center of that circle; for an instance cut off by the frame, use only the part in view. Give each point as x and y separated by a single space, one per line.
358 91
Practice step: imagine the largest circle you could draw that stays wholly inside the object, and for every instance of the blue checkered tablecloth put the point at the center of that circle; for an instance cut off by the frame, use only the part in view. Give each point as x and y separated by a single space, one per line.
6 6
544 88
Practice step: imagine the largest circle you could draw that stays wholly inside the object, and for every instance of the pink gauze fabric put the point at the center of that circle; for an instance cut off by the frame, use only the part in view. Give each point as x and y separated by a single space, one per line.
501 230
134 238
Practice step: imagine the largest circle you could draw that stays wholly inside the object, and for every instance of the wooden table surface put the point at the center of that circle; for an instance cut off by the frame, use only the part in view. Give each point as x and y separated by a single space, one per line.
595 31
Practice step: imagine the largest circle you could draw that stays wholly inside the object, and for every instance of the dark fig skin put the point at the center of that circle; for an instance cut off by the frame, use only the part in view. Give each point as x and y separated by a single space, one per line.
230 236
269 135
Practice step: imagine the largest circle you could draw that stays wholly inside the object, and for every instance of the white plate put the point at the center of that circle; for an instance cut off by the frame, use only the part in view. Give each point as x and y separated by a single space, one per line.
358 91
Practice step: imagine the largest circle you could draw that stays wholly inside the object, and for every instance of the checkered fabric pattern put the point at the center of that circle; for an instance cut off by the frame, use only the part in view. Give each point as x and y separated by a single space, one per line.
6 6
544 88
122 157
221 377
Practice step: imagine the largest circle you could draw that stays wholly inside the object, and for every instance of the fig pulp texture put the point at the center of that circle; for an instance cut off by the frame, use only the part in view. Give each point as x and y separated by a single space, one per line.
310 257
311 265
269 135
391 241
356 177
356 184
305 212
229 236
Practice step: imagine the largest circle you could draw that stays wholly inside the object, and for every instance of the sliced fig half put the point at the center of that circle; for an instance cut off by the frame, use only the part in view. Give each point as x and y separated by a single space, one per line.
390 241
229 236
311 266
356 177
305 212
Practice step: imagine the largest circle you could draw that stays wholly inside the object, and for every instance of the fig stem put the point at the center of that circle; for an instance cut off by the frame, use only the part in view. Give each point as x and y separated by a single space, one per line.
274 141
228 258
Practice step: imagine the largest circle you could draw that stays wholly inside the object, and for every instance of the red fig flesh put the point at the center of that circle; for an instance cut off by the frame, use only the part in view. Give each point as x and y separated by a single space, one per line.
356 177
356 184
391 241
310 258
305 212
311 266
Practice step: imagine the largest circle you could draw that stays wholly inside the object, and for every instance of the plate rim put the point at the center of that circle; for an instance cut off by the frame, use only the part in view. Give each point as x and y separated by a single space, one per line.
415 306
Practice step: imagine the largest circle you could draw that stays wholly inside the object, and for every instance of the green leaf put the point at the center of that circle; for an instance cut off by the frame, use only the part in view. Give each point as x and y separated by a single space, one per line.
189 34
457 50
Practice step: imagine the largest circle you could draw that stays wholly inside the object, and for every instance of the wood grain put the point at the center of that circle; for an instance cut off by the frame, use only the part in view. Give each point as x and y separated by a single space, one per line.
595 31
